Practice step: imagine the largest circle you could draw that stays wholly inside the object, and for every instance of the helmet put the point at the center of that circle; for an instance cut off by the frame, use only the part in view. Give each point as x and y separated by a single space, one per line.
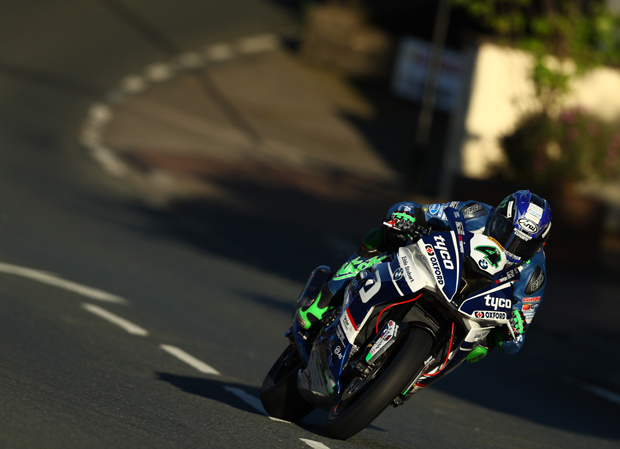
521 224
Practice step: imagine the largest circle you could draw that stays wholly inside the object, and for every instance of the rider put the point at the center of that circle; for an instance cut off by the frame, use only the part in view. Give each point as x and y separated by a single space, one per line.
520 224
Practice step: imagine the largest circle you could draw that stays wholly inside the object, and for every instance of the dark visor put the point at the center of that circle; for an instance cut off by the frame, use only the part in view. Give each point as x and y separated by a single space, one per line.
503 230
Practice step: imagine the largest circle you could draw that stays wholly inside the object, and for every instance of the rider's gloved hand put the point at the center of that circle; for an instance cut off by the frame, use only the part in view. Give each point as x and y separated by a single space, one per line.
403 225
516 326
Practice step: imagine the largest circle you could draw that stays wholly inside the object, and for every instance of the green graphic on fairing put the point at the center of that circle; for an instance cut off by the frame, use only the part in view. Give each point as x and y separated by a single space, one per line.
356 265
491 254
312 315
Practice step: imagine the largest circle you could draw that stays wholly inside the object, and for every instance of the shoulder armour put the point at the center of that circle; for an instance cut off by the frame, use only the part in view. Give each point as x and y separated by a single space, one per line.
473 209
537 280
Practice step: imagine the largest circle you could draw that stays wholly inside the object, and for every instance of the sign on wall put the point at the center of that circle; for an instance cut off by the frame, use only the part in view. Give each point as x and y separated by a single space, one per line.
410 68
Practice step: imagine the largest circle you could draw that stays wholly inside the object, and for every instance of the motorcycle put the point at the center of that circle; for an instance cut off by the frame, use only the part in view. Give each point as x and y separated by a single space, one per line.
404 324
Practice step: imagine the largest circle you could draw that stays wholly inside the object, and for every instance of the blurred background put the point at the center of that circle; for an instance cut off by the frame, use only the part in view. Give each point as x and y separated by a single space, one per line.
146 144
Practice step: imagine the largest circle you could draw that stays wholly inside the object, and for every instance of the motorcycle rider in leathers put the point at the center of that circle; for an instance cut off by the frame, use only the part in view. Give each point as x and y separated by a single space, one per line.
520 224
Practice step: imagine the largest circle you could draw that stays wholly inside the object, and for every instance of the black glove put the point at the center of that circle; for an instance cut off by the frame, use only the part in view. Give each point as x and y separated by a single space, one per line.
516 326
401 225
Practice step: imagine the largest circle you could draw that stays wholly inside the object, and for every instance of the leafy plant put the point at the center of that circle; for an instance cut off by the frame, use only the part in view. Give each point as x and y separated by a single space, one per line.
565 37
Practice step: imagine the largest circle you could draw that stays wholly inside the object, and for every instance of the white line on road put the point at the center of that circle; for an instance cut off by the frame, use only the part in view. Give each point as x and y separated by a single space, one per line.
314 444
190 360
613 397
51 279
251 400
115 319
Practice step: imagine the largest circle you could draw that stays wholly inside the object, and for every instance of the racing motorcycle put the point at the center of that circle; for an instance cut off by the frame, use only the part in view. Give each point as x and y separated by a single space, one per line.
404 323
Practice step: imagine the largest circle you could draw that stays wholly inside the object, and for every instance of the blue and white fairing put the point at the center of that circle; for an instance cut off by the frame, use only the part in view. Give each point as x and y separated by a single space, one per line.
434 264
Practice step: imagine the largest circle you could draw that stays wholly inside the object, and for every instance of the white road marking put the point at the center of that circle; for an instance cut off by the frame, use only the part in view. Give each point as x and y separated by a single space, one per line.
159 72
133 84
115 319
190 60
314 444
190 360
251 400
219 52
108 159
258 43
50 279
609 395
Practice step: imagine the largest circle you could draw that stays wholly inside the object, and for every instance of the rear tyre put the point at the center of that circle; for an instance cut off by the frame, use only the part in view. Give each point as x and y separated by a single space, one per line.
359 408
279 393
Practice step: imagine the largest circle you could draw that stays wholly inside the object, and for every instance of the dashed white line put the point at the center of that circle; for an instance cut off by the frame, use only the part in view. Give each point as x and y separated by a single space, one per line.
251 400
115 319
133 84
159 72
613 397
189 359
258 43
50 279
219 52
314 444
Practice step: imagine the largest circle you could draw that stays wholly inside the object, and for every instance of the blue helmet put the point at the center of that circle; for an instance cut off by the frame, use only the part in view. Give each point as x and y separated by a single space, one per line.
521 224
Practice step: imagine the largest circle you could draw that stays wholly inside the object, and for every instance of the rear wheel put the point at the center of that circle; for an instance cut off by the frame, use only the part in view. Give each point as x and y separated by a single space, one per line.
363 399
279 393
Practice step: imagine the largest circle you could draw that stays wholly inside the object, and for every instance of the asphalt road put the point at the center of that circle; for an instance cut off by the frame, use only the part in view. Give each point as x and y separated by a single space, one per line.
201 279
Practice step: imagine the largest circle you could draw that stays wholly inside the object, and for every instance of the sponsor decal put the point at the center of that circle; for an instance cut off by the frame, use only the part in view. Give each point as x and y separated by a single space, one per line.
496 242
338 352
522 235
488 315
459 228
491 254
398 274
534 213
407 269
340 334
348 327
532 299
470 211
453 204
538 282
480 335
435 208
528 226
483 264
429 250
440 245
388 333
503 303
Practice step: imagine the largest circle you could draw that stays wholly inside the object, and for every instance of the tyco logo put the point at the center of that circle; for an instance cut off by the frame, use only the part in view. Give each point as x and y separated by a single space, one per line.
497 302
440 245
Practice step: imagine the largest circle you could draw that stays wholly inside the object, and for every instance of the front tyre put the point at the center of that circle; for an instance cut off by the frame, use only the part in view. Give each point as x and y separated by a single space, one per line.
352 414
279 393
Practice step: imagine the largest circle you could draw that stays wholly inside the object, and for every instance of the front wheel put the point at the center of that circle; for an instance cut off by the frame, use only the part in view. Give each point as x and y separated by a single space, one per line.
279 393
364 399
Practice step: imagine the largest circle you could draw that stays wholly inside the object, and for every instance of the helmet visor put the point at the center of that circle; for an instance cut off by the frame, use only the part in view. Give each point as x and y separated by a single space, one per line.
514 241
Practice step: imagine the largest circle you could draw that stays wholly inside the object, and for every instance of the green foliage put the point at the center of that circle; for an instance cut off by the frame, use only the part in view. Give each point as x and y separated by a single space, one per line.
584 32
